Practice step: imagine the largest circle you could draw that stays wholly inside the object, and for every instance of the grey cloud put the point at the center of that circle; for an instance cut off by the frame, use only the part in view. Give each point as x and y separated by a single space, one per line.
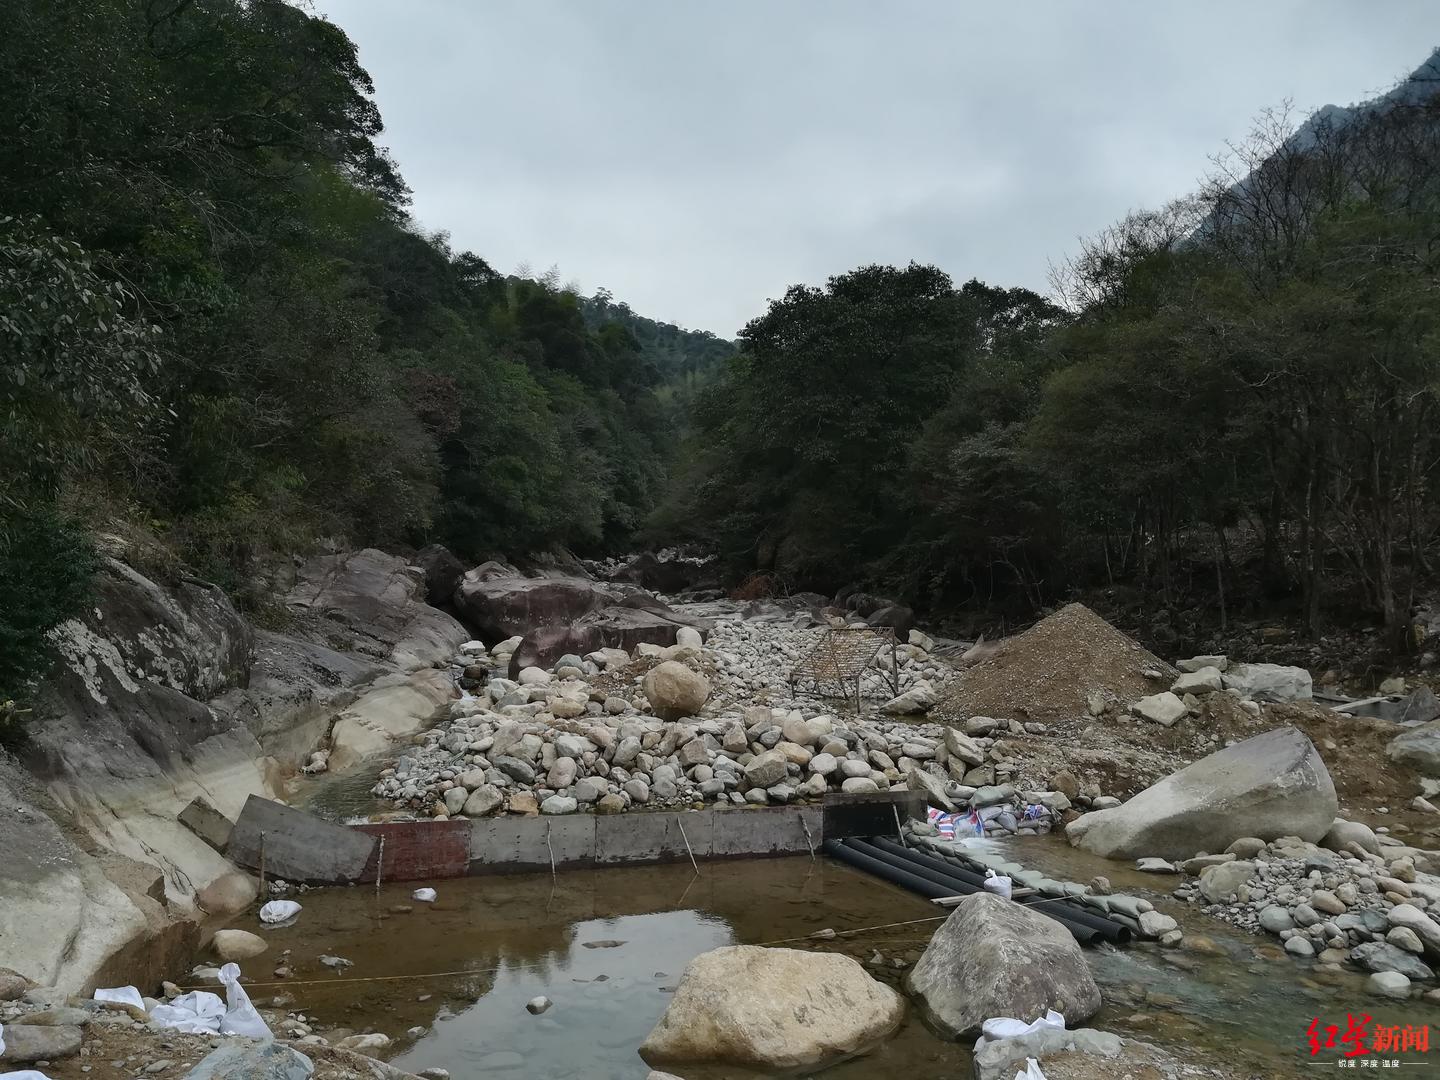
697 158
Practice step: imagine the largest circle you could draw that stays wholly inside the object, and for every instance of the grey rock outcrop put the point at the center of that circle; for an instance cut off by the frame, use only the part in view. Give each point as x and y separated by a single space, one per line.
163 694
380 600
1267 786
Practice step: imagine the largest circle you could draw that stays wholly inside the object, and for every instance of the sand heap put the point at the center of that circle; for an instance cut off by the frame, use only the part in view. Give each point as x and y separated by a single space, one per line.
1047 673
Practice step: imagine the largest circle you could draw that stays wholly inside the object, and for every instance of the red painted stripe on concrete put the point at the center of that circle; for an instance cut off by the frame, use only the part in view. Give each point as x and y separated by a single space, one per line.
419 850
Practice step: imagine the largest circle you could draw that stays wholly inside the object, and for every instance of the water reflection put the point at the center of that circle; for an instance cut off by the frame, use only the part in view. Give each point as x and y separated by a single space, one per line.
519 937
1228 998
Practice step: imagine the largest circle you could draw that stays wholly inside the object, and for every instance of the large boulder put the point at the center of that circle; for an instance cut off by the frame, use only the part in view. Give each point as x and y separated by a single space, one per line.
675 691
640 619
994 957
1163 708
380 600
231 945
1342 832
443 571
541 648
1269 682
1419 747
500 605
896 616
668 572
919 698
25 1043
1268 786
749 1007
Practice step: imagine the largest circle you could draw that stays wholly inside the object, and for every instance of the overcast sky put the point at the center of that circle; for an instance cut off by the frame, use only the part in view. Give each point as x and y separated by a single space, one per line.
696 158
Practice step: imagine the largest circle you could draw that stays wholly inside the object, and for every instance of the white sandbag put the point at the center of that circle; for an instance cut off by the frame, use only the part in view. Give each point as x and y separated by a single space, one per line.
1007 1027
240 1016
1031 1071
424 895
998 1028
125 995
196 1013
277 911
997 884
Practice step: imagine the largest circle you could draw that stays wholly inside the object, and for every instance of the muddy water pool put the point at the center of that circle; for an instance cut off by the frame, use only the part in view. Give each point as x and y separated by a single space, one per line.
608 946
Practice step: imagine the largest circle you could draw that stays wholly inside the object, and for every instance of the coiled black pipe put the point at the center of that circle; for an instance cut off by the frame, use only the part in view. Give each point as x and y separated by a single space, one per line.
925 881
1110 929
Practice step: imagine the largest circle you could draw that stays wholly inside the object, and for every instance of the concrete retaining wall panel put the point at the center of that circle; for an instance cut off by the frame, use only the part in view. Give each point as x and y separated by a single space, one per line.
514 844
652 837
297 846
777 831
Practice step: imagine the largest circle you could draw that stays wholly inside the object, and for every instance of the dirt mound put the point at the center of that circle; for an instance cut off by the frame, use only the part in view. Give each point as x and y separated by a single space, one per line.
1046 673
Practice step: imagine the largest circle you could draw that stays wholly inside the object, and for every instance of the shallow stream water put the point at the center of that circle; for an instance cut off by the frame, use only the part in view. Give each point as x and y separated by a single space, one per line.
608 946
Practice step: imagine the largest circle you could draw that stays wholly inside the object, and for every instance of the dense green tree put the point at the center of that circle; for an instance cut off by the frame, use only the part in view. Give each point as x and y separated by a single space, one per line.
803 444
216 319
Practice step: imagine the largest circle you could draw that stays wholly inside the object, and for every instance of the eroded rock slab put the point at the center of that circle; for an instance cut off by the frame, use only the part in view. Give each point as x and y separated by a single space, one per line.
1268 786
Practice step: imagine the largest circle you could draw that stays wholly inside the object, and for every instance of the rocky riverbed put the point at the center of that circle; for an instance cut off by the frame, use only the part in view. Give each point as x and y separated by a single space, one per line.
598 733
1224 773
670 726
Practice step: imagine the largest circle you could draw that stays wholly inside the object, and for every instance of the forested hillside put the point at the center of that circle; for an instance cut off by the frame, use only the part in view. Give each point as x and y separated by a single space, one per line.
219 326
1235 400
217 319
686 361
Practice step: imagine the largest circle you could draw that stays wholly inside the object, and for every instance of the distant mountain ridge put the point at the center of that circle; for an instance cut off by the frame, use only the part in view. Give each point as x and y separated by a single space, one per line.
1272 188
680 355
1418 88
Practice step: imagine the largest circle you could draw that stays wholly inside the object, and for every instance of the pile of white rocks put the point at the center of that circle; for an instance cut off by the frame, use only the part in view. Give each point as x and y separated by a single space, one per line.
569 740
556 742
755 658
1360 899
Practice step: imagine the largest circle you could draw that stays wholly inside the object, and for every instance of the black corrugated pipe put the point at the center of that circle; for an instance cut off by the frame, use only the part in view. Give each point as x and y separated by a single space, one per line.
881 869
1085 935
967 882
1109 928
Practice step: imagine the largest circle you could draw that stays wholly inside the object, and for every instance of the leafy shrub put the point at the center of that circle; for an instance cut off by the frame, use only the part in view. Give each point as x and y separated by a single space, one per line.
46 567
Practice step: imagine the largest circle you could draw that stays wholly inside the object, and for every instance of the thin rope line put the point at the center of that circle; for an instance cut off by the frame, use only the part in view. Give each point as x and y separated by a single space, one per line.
526 967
